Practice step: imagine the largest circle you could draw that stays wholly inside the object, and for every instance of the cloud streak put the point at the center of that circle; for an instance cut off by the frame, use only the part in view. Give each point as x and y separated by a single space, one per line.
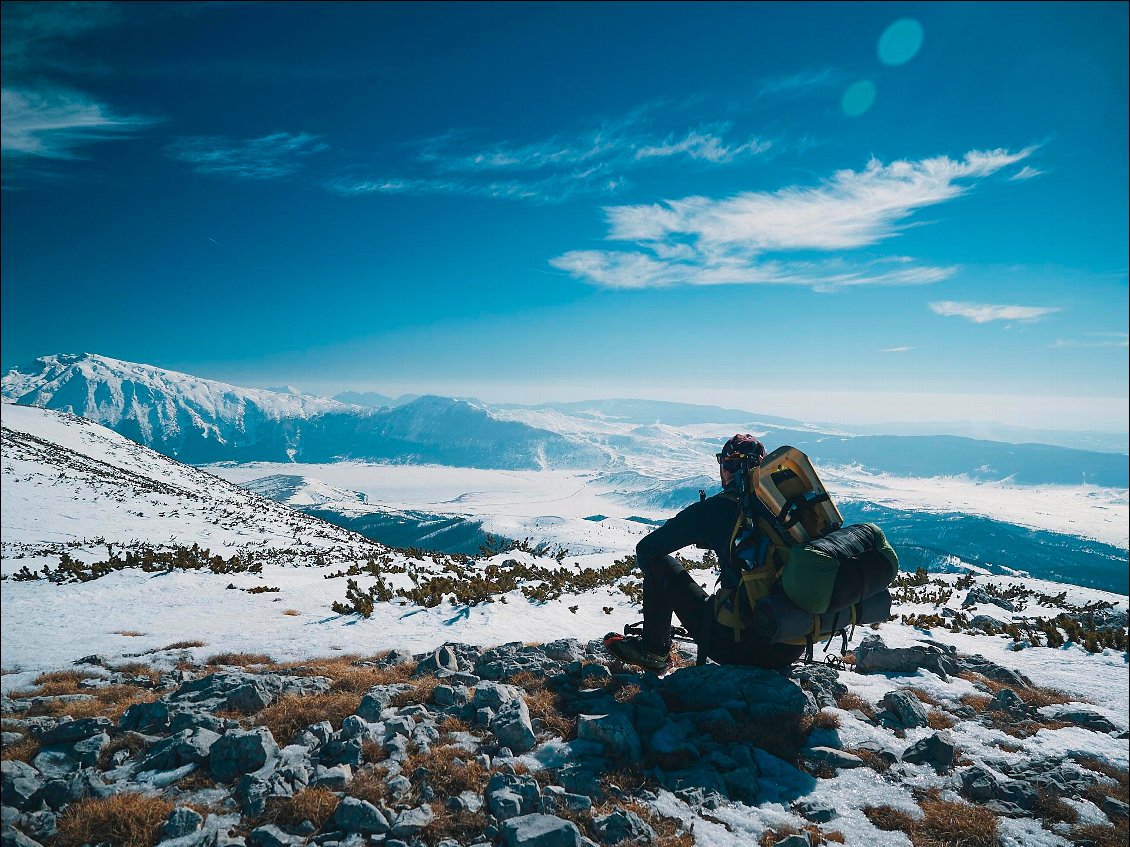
53 124
1096 340
593 161
708 241
981 313
273 156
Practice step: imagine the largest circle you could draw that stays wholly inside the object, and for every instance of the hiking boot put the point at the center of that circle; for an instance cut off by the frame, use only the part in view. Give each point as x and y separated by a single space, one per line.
629 649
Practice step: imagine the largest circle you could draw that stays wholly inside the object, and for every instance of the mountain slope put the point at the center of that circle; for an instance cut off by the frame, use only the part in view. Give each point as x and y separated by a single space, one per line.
200 421
72 485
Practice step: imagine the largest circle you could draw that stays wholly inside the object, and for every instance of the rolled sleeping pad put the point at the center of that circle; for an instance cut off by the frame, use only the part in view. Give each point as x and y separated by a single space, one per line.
779 620
837 570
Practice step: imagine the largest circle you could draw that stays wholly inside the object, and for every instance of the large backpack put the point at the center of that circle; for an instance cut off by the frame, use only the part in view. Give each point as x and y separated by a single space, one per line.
803 574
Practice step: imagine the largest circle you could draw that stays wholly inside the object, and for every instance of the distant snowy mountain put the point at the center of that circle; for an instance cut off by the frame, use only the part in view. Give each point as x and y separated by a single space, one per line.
298 491
656 411
373 399
201 421
72 485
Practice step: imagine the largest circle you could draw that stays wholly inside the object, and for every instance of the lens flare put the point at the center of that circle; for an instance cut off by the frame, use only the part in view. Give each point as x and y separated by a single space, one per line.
859 97
900 42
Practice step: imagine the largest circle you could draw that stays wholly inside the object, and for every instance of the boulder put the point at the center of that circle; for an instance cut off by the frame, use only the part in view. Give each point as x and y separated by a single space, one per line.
620 826
757 691
356 815
271 836
409 822
1080 716
906 709
832 757
979 595
442 659
494 695
72 731
873 656
817 811
512 726
378 698
539 830
238 752
614 732
182 821
936 750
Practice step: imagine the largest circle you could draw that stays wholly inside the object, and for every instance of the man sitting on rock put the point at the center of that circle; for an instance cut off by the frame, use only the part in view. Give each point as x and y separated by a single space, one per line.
668 587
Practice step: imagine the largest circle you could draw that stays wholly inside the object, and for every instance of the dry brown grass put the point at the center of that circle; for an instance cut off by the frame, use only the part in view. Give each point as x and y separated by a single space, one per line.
1053 809
291 713
977 702
940 719
372 787
816 836
943 824
1097 792
316 805
1101 836
852 701
109 702
241 660
129 633
826 720
198 780
123 820
23 750
6 671
464 827
1034 696
184 645
545 706
294 613
873 760
668 831
924 696
345 674
447 776
131 741
421 691
450 724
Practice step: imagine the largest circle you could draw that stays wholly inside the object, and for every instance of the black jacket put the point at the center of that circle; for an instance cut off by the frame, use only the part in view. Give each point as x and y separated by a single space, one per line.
708 524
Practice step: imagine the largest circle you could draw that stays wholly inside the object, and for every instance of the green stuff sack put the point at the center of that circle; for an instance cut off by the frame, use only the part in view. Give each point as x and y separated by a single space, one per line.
840 569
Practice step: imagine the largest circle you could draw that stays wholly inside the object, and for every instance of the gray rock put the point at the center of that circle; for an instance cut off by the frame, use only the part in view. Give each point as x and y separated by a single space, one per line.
1080 716
334 778
936 750
816 811
12 837
511 724
873 656
554 798
145 717
271 836
906 709
442 659
993 671
620 825
7 739
446 696
72 731
705 779
409 822
979 783
378 698
743 784
182 821
494 695
55 762
400 725
356 815
986 622
564 650
1008 701
395 657
9 815
832 757
504 804
538 830
19 782
86 751
614 732
42 826
238 752
1115 808
189 745
399 785
757 691
797 839
978 595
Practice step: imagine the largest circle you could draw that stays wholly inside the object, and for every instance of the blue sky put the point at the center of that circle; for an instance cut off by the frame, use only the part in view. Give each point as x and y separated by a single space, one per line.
856 212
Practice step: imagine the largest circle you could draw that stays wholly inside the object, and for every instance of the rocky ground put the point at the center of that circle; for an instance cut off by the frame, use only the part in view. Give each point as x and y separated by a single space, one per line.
552 745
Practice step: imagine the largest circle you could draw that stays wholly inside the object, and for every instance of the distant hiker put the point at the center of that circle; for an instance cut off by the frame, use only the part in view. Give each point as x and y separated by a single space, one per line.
668 588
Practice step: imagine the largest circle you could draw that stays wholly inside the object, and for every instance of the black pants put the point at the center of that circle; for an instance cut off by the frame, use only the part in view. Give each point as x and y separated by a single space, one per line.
668 588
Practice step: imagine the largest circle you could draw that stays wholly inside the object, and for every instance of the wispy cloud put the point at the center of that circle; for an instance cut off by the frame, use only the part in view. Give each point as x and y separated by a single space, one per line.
592 161
54 123
707 241
816 79
1096 340
270 157
898 349
981 313
1026 172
